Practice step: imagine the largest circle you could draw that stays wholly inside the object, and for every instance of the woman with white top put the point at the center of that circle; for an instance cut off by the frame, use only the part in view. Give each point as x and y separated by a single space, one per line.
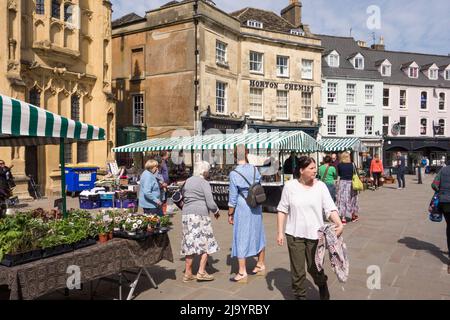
302 203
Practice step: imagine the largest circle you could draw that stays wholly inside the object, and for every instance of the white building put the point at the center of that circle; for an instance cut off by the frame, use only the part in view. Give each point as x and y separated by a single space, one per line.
416 97
352 94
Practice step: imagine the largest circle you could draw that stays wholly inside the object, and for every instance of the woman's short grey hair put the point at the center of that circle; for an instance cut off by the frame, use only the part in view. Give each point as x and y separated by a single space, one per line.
201 167
151 164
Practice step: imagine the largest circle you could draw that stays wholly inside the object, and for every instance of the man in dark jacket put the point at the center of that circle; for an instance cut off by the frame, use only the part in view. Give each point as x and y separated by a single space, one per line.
441 184
401 168
6 181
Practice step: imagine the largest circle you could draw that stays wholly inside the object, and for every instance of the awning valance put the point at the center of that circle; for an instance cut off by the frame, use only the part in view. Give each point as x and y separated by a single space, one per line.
340 144
23 124
283 141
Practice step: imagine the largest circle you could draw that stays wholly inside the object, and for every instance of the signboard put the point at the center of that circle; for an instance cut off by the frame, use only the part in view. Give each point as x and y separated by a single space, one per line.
84 177
281 86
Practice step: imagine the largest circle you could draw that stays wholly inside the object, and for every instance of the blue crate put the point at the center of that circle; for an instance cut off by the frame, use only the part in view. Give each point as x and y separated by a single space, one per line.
89 204
107 203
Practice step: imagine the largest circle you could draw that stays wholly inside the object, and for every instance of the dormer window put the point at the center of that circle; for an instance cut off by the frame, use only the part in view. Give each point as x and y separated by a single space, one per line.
254 24
433 74
333 60
297 32
386 70
359 63
414 72
447 74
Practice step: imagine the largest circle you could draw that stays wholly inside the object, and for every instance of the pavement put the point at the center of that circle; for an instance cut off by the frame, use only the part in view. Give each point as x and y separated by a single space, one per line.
395 253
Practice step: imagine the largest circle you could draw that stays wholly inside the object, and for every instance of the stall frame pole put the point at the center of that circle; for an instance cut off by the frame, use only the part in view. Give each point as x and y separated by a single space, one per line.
63 176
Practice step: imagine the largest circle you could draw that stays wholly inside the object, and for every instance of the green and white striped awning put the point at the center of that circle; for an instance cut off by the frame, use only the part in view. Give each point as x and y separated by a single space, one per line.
23 124
340 144
283 141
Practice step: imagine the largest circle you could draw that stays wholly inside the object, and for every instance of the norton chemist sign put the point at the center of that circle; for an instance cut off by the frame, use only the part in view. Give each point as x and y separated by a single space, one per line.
281 86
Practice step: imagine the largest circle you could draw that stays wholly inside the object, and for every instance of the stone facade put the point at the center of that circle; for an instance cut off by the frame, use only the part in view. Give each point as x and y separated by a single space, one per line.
180 73
59 58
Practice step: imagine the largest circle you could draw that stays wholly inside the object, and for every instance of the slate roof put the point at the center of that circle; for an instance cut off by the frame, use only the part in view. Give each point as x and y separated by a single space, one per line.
271 21
397 59
347 48
126 19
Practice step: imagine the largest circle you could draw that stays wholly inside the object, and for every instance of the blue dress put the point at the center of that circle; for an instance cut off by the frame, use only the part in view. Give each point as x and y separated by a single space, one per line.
248 229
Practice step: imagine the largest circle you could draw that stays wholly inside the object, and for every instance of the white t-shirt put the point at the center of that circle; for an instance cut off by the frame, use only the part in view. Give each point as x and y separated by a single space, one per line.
304 208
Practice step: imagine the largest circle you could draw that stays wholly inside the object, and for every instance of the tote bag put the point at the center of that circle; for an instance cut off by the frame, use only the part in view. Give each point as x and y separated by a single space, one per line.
357 185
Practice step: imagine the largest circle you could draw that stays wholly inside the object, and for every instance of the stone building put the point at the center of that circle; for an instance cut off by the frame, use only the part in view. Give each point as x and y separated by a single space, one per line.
56 54
188 64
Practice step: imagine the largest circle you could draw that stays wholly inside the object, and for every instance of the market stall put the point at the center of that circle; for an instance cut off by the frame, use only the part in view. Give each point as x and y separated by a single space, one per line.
334 145
267 151
22 124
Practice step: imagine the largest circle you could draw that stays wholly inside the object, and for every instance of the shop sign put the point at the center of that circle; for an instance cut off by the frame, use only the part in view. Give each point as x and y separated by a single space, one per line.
281 86
352 110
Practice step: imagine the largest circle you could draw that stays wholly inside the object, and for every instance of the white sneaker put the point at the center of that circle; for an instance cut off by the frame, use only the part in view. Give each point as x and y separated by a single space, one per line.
399 188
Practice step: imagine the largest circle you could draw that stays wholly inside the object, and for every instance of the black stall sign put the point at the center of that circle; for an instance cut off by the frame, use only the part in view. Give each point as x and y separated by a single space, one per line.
220 192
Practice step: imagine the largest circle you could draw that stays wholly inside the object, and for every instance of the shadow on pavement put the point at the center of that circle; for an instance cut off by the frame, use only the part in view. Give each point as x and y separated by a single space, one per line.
415 244
280 279
250 264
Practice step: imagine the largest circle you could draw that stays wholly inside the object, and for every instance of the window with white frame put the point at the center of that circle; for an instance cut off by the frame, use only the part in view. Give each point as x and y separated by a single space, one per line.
369 93
386 92
333 60
138 109
402 125
433 73
332 125
254 24
306 105
307 69
282 104
423 126
385 125
297 32
442 101
350 125
256 103
368 126
402 99
282 66
221 52
359 63
351 93
256 62
332 92
423 100
40 6
441 130
221 97
386 70
413 72
447 74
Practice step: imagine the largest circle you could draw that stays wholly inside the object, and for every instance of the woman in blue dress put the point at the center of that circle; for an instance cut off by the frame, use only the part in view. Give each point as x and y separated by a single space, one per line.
248 230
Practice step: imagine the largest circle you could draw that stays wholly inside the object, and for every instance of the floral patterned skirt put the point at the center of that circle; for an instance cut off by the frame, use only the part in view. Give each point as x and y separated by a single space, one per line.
347 199
198 237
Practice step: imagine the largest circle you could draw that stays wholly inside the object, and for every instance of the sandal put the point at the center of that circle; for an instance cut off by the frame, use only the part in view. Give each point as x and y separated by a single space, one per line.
188 278
259 271
243 278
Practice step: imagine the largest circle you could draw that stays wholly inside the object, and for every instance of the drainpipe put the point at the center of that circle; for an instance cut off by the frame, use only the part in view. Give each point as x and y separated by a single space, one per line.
197 58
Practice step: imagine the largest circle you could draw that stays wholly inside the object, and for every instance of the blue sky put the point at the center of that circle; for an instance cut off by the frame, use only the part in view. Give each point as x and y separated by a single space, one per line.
406 25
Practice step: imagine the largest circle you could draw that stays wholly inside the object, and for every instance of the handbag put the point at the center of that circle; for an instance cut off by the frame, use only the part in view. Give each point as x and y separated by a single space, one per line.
435 213
357 184
178 198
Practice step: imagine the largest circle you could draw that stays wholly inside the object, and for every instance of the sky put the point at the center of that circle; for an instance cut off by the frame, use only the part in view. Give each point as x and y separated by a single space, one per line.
406 25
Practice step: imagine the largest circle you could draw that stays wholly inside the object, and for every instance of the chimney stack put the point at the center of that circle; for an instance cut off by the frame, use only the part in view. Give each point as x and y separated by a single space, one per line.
293 13
362 43
380 46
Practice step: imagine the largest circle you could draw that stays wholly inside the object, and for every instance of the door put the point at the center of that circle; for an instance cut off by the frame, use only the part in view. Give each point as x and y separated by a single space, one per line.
31 166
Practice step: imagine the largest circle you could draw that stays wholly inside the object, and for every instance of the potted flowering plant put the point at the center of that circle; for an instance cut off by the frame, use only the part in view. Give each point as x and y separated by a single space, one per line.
131 225
153 222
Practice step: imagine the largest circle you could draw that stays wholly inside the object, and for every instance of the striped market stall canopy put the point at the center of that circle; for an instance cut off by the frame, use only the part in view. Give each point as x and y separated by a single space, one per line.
22 124
340 144
276 140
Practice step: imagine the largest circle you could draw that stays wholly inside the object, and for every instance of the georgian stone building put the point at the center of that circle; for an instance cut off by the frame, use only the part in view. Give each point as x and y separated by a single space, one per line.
189 60
56 54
